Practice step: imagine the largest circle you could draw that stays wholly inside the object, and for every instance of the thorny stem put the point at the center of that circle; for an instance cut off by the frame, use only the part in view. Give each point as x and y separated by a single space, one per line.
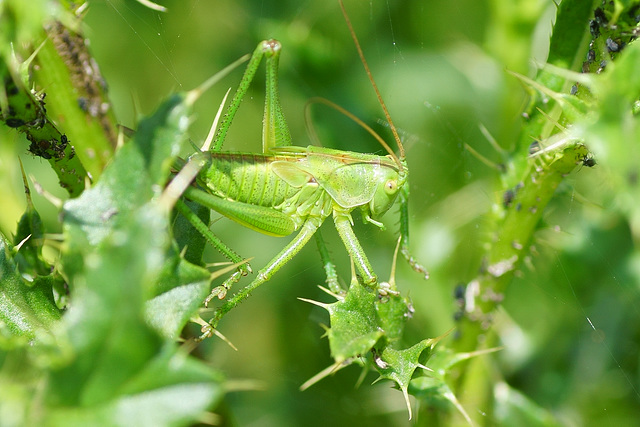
510 246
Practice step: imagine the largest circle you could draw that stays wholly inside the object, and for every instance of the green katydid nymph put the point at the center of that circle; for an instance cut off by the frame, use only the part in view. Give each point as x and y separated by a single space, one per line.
289 189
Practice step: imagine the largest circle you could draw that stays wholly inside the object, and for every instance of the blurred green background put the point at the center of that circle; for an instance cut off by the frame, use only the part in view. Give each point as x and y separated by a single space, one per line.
571 320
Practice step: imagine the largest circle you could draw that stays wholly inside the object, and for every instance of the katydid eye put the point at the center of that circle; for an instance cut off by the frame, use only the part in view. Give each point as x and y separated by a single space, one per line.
391 186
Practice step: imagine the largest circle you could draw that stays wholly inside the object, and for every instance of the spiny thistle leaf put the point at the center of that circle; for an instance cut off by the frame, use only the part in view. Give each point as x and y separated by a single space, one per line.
355 326
364 321
400 365
362 317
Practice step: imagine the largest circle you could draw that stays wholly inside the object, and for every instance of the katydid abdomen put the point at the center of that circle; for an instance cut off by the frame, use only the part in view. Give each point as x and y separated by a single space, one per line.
247 178
250 189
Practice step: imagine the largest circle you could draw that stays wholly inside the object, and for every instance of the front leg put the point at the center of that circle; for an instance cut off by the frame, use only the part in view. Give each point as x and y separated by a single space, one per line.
342 219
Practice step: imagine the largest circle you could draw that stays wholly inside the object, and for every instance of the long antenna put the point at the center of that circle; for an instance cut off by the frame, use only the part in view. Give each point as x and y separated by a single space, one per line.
375 87
314 136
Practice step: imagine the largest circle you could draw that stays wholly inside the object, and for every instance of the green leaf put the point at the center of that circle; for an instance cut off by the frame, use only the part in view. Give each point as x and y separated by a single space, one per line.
25 308
167 392
105 323
170 311
168 406
572 22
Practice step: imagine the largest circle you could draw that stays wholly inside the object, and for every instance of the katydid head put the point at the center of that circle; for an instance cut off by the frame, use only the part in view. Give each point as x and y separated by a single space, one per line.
390 180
